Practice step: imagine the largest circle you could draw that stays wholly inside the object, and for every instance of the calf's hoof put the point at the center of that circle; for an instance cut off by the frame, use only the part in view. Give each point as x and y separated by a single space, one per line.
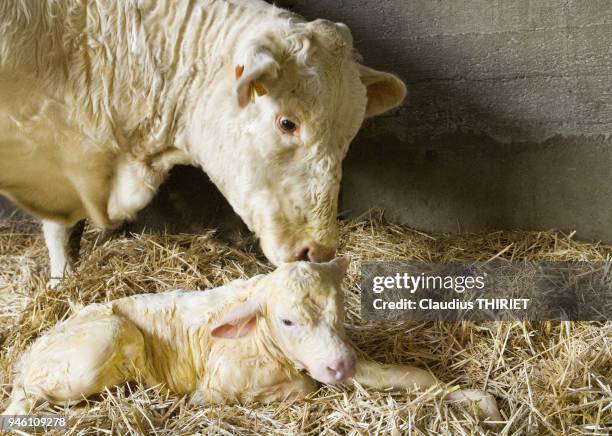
486 403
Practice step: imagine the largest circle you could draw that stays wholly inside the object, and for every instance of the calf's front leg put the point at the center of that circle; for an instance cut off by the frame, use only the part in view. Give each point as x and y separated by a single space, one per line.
294 389
289 388
376 375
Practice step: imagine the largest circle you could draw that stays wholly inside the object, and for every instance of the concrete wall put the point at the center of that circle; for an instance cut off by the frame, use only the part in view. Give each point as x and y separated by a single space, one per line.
508 117
506 126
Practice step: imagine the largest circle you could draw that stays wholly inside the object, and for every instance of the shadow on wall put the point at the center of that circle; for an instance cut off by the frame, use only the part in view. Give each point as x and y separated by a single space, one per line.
9 211
188 202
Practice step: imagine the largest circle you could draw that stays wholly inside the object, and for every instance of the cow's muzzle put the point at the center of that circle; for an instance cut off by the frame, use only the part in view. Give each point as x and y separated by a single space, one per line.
314 252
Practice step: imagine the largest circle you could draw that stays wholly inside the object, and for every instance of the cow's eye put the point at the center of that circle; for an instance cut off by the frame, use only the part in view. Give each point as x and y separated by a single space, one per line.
286 125
287 322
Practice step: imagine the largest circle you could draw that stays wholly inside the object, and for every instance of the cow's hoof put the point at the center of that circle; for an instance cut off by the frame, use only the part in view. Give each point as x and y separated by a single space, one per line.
54 282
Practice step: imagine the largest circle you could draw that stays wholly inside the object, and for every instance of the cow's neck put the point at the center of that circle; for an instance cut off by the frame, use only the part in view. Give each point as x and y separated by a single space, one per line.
183 47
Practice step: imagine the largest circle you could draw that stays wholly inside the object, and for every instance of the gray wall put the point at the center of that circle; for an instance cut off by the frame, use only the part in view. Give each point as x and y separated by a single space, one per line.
506 126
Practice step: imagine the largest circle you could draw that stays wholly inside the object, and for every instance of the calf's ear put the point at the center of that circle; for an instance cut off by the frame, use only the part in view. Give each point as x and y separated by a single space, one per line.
385 90
250 74
238 322
339 266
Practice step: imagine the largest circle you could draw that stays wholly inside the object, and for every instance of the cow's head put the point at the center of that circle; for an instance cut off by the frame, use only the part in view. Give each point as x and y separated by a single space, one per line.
272 127
301 308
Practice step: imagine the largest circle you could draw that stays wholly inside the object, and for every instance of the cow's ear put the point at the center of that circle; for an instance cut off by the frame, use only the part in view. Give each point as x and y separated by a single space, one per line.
385 91
238 322
250 74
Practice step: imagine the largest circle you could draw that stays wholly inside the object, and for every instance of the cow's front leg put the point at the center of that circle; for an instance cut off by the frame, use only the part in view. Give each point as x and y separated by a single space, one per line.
62 244
380 376
136 181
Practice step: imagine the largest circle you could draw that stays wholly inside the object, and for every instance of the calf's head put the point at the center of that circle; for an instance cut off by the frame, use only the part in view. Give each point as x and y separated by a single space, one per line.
302 307
273 126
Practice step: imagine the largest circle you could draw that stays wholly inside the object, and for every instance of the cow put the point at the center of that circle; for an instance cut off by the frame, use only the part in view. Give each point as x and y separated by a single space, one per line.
266 339
100 99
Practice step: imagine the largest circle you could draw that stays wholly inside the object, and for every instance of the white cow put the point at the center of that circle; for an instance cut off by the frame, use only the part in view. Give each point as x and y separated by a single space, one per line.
100 99
264 339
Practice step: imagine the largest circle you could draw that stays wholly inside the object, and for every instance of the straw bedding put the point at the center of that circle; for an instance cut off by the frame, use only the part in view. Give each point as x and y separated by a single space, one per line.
549 378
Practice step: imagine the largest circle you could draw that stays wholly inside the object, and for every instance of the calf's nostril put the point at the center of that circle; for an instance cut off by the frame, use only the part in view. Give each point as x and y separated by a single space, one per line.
334 371
340 370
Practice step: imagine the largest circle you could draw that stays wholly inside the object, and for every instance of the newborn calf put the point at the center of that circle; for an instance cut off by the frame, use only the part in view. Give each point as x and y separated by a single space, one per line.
263 339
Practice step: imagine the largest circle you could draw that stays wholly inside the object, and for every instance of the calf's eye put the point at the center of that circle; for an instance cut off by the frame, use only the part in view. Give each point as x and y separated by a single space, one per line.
287 322
286 125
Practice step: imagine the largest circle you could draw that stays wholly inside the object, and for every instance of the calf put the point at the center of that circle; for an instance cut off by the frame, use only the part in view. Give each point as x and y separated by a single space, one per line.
266 339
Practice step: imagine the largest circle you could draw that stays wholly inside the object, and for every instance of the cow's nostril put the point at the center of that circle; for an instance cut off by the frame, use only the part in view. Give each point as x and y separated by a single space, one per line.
321 254
304 254
315 253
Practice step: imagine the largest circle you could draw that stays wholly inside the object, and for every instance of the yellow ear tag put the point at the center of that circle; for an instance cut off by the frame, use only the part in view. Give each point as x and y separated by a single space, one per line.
259 88
256 89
